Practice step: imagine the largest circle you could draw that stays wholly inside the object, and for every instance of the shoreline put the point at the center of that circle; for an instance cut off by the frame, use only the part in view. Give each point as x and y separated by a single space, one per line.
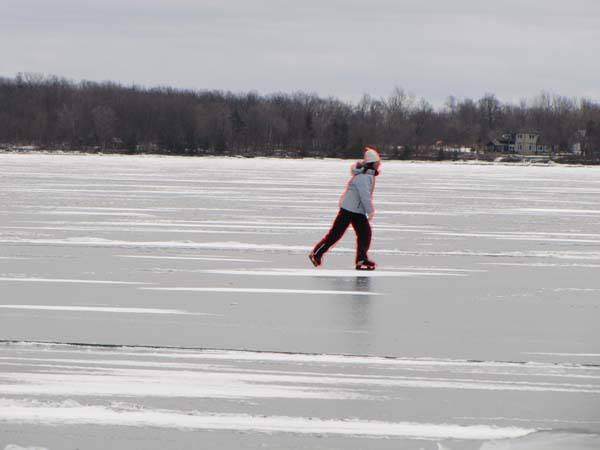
472 162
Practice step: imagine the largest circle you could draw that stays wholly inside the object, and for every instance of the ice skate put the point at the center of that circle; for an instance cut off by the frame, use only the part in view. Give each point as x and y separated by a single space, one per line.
314 259
365 264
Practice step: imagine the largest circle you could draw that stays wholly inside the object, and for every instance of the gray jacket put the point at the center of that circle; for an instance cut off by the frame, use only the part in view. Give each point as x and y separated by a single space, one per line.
357 197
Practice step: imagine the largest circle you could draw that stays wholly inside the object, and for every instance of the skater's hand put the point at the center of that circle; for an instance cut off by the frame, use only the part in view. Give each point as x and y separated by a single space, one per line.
370 216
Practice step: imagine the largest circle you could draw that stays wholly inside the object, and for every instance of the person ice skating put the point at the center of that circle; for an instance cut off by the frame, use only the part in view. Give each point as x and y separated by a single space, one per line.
356 208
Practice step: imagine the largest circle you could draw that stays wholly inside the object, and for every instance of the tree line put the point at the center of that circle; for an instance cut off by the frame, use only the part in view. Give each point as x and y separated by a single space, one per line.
56 113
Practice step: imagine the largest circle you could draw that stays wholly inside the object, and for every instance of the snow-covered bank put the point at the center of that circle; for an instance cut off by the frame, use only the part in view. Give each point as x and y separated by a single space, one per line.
124 154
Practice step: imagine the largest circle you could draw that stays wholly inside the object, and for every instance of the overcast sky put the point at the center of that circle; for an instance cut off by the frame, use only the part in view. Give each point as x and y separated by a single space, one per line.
343 48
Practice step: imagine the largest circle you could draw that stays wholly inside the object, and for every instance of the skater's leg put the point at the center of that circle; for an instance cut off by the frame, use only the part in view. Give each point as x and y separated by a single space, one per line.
340 224
362 227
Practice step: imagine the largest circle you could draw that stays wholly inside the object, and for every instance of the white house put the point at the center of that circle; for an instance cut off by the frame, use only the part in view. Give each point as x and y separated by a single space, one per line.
524 143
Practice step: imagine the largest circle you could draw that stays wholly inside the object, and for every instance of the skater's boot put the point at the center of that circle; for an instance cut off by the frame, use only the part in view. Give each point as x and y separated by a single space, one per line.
314 259
365 264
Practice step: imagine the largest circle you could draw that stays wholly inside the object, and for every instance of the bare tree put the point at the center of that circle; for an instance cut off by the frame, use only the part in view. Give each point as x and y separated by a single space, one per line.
105 121
54 112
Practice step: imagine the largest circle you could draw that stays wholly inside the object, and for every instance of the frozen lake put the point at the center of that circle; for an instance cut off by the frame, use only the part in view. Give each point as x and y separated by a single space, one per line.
478 330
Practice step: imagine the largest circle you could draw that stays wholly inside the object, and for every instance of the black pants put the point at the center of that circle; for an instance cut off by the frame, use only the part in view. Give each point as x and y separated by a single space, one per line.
361 226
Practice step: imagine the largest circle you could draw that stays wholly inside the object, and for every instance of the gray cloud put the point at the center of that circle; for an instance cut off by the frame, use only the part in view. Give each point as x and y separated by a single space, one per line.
332 47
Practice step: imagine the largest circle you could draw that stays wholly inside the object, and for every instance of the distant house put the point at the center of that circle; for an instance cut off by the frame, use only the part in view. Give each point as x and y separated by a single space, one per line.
448 148
24 148
523 143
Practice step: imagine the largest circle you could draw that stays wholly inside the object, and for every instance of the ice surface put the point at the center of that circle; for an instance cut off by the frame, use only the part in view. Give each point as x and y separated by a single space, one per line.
63 280
120 310
62 385
482 314
18 447
327 273
39 413
259 291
